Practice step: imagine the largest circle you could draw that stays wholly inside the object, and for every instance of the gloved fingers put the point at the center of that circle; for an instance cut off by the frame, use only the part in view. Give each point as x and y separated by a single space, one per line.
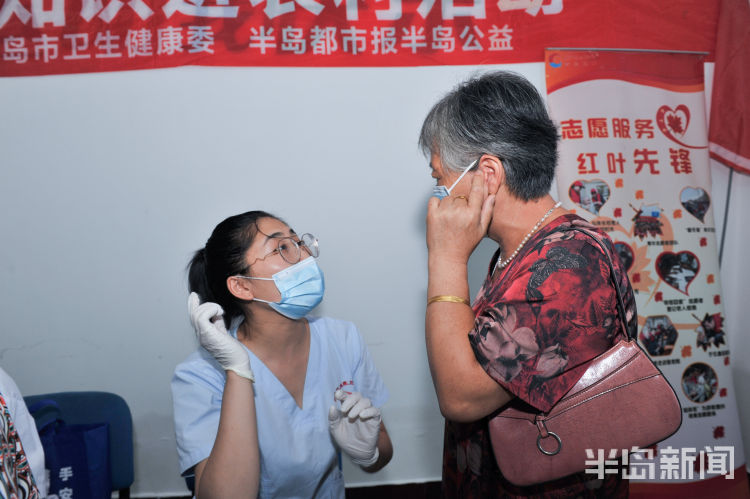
218 321
207 316
361 405
349 401
202 312
369 413
193 301
333 414
366 463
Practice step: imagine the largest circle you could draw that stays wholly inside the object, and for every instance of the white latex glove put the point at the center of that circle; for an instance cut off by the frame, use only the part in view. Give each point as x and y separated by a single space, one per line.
355 427
213 336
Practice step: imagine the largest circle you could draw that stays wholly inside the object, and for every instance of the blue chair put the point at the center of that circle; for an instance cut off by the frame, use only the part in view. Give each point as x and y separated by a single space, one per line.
100 407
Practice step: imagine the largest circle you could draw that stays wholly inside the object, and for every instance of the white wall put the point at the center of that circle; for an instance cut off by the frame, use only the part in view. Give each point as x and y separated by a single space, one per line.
108 183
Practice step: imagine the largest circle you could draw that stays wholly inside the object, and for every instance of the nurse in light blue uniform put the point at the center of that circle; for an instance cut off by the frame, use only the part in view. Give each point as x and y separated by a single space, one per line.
266 405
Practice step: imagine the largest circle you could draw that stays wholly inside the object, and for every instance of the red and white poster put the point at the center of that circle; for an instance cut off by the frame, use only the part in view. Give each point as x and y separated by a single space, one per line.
634 160
74 36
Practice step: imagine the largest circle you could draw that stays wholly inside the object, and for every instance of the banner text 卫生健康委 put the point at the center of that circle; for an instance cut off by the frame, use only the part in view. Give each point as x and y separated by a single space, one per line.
72 36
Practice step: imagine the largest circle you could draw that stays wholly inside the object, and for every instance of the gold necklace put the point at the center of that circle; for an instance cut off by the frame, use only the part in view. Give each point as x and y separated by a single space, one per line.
502 264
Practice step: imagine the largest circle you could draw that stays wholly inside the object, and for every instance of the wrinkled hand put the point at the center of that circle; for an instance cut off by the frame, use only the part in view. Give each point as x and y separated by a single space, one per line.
208 322
456 225
355 427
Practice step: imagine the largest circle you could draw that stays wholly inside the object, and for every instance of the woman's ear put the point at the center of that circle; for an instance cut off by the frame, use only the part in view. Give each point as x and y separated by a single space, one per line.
494 173
240 288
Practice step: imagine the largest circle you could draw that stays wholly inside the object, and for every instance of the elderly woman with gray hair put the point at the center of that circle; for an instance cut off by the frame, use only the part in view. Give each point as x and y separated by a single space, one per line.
547 305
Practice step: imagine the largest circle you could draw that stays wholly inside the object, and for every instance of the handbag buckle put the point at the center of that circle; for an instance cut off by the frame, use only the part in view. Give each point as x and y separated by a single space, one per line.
544 434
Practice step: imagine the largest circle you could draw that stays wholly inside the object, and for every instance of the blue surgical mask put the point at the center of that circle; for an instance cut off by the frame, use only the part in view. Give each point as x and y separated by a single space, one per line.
301 287
440 192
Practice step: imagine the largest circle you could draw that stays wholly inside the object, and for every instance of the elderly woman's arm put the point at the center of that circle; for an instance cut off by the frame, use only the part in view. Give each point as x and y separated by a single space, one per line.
465 391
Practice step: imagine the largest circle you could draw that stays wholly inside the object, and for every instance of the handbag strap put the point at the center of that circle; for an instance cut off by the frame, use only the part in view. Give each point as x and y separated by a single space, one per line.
620 303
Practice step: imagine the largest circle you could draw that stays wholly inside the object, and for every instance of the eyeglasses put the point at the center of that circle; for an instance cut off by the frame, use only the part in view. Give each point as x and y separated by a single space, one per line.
291 248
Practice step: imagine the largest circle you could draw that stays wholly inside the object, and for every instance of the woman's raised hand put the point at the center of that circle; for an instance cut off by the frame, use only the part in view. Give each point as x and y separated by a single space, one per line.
208 322
456 224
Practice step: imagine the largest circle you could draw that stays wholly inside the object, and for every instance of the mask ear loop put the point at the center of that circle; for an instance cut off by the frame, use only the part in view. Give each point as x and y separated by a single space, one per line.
470 167
260 279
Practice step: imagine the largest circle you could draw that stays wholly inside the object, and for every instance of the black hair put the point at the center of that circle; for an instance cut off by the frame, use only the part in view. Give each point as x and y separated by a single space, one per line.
222 257
498 113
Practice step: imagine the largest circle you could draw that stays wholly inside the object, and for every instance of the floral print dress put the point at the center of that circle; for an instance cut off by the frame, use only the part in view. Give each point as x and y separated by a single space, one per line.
16 480
538 322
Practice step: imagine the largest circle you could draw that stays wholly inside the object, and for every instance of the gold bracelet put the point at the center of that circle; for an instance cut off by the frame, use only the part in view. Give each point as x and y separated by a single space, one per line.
449 298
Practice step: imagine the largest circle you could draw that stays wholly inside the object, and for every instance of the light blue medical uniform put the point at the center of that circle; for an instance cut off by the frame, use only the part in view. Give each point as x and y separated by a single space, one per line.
298 457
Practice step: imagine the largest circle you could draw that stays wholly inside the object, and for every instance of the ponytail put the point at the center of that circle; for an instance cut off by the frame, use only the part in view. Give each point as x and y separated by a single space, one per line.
197 279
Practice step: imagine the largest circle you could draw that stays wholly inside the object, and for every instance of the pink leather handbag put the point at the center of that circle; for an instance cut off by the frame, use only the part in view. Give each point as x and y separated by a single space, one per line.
622 401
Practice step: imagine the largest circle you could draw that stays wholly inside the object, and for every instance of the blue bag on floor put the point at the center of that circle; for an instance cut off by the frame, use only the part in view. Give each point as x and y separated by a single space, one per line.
76 456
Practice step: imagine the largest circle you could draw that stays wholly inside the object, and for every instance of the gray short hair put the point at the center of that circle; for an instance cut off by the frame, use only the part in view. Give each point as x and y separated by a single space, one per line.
498 113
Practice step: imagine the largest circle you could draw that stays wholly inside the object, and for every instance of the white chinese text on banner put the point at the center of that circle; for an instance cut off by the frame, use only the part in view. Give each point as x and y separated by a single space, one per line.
76 36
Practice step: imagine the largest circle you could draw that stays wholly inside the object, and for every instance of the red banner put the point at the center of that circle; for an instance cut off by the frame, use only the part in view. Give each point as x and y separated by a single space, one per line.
73 36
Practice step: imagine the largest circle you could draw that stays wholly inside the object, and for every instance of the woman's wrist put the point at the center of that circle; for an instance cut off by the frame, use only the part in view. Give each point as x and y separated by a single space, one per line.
437 260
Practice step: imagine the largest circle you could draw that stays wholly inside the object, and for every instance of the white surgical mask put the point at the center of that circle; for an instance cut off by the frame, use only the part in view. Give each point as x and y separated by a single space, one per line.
440 191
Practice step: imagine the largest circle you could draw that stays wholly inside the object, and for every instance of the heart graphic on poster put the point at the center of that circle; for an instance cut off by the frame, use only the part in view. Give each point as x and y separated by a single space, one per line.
678 269
589 194
696 201
673 123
